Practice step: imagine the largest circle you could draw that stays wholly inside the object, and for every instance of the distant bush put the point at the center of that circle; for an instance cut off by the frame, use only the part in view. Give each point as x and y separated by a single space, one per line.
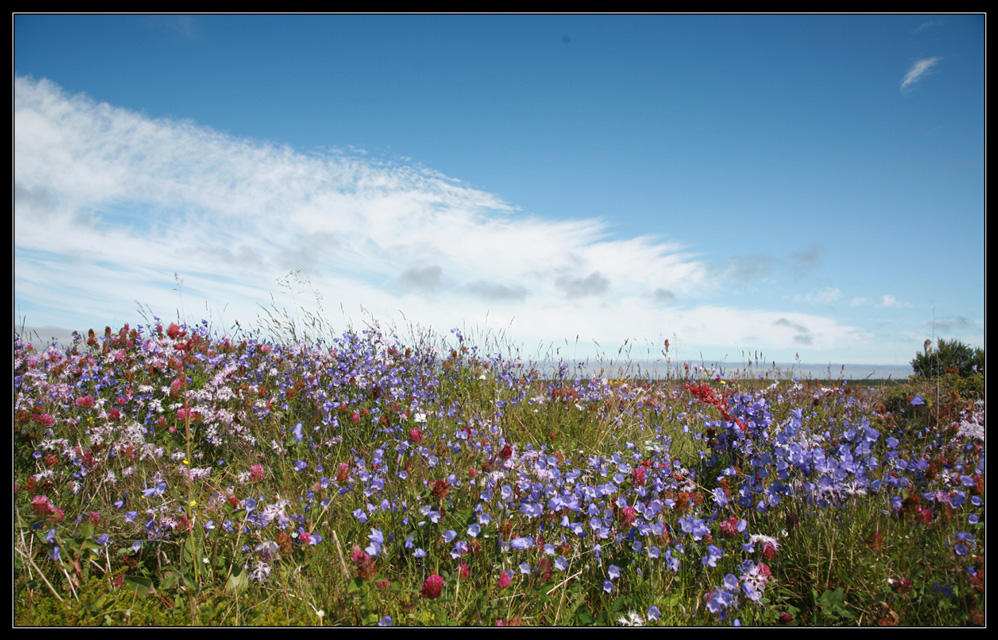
948 357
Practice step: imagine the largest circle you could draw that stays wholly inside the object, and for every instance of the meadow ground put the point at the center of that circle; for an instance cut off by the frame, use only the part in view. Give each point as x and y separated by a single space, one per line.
167 475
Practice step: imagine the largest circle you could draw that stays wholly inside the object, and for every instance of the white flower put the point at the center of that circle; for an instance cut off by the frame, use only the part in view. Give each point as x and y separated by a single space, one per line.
758 537
261 572
632 619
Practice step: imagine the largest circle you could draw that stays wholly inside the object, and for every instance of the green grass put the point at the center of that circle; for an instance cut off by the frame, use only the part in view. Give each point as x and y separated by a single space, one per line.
494 437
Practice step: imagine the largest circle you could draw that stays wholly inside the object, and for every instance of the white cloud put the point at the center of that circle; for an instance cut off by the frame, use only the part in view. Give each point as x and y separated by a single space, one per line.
927 25
918 71
110 204
890 302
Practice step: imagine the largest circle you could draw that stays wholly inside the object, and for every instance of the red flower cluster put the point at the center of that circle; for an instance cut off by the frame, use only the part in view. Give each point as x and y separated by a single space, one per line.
768 551
901 586
256 473
544 568
42 507
505 580
729 527
177 386
364 562
186 413
432 587
440 489
174 331
923 515
639 476
764 571
343 472
705 393
875 542
627 517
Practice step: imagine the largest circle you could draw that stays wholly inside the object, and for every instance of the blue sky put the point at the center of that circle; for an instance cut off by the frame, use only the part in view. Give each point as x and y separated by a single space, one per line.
790 186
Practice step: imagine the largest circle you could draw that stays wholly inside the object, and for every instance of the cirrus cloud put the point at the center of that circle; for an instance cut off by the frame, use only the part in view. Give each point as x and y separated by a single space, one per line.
112 207
918 71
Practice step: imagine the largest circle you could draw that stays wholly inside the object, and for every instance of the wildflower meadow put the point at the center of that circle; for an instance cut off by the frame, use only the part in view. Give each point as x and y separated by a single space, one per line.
174 474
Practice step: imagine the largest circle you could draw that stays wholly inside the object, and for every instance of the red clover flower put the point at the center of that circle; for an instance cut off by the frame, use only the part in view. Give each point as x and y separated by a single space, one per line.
432 587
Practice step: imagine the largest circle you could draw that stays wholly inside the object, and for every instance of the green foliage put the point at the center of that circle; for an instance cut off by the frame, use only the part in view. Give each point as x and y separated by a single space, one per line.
948 356
833 607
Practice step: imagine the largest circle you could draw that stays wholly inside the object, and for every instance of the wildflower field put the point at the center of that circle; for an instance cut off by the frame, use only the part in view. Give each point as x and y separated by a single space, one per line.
169 475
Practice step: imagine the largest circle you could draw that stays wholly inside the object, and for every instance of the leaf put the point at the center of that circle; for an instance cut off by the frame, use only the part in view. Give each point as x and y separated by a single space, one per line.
191 554
238 580
138 585
355 585
619 604
832 604
95 605
583 617
171 578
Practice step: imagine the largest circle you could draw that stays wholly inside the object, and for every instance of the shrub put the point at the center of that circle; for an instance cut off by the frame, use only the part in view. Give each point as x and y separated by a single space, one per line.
948 356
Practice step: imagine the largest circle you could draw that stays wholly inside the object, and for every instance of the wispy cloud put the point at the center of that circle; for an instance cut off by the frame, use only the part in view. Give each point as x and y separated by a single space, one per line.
801 334
918 71
890 302
422 279
575 287
807 259
185 26
827 295
750 267
110 204
946 325
927 25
